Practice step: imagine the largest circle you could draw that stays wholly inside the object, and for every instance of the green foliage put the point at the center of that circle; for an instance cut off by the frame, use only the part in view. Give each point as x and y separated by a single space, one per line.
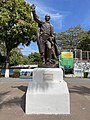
2 59
74 35
72 38
63 39
16 74
85 43
2 49
17 57
25 60
34 58
16 24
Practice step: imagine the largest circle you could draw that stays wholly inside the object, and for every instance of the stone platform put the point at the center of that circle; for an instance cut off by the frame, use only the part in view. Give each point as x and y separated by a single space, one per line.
48 93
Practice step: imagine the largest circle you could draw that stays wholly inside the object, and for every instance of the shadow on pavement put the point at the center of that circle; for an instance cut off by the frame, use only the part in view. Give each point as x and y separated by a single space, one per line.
6 101
22 101
22 88
80 90
3 96
11 102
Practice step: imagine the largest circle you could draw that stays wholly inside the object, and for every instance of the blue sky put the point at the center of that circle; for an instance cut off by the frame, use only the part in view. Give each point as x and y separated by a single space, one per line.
64 14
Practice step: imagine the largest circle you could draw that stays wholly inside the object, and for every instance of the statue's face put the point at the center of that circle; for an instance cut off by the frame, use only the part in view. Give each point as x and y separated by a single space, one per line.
47 18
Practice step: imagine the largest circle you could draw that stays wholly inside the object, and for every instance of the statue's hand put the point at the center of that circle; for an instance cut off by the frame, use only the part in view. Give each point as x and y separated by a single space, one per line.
33 7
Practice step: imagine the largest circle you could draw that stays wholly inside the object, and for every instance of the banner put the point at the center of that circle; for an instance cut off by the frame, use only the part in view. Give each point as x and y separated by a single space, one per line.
67 54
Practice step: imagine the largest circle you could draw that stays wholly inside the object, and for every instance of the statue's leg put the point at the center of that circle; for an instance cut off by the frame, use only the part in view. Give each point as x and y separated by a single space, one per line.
49 51
53 52
42 48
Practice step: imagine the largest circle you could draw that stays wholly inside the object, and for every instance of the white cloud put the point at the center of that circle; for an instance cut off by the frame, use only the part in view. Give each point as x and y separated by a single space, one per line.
56 16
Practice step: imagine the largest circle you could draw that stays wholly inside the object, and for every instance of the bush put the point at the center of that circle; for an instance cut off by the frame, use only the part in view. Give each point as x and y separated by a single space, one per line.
16 74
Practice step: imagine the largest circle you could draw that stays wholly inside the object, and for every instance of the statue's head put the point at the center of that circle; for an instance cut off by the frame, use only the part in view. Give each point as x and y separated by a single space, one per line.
47 17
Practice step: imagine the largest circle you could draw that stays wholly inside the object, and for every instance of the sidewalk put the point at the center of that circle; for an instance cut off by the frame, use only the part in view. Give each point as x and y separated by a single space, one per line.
12 101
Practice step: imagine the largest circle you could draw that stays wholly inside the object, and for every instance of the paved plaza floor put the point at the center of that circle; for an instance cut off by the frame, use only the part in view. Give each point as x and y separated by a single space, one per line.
12 100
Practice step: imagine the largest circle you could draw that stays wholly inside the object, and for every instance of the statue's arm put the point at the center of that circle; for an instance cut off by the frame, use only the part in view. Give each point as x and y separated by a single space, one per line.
35 15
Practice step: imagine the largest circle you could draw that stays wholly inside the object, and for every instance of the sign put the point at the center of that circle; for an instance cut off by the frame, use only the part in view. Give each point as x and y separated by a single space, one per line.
67 54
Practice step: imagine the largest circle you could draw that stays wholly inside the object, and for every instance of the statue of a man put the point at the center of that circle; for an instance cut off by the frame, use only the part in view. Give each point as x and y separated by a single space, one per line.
45 37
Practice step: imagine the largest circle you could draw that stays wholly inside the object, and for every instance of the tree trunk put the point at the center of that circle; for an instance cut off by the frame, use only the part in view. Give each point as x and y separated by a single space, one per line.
7 65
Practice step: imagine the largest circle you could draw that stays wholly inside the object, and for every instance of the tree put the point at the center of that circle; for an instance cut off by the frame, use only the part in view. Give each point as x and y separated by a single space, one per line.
85 43
16 57
71 38
2 59
74 36
62 39
2 53
34 58
2 49
25 60
16 25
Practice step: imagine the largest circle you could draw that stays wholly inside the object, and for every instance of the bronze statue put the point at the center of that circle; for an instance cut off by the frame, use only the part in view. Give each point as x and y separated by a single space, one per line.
45 38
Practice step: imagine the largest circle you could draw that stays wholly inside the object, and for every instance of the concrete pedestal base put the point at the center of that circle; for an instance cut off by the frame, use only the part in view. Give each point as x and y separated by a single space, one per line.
49 96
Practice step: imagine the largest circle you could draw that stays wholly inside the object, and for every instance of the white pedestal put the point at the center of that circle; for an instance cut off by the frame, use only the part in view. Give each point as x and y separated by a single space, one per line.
48 93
